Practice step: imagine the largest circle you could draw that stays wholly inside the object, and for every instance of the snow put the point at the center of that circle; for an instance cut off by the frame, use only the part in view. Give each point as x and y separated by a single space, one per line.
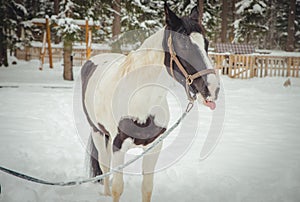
91 22
242 5
67 25
256 159
245 5
20 7
257 9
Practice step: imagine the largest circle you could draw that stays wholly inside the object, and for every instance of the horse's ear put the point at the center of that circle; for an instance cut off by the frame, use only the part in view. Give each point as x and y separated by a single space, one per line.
172 20
195 14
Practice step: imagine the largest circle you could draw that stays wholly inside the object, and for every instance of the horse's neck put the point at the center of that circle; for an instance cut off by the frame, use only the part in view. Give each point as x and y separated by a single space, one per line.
148 55
143 72
154 41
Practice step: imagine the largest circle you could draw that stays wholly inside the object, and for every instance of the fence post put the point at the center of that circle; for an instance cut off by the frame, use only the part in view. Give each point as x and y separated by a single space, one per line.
296 63
87 37
230 65
252 66
289 67
49 42
266 67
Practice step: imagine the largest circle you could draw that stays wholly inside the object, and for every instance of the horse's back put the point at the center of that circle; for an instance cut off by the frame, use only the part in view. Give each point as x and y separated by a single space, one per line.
100 63
92 73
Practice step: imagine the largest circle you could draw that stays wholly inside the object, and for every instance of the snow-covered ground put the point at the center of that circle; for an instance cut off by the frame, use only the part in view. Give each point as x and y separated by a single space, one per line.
256 159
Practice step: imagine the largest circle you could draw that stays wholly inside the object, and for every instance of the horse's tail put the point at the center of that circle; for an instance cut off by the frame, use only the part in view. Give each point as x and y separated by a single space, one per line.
95 169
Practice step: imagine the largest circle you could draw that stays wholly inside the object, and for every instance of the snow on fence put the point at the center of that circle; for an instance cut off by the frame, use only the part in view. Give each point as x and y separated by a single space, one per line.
249 66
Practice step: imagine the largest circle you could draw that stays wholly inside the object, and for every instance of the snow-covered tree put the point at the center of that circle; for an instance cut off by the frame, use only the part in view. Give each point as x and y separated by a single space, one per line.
11 16
250 25
282 8
297 27
212 19
69 31
290 43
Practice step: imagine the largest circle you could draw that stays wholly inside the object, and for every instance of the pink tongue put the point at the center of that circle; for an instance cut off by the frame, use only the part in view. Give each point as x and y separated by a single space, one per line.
211 105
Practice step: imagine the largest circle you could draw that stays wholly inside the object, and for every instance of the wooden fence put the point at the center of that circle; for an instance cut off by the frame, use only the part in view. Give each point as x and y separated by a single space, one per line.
79 54
249 66
233 65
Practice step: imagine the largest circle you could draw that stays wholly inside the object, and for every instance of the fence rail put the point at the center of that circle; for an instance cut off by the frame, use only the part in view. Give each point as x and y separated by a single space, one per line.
79 54
249 66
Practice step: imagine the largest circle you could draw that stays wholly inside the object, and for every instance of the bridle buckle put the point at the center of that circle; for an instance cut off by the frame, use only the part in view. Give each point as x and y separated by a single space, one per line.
189 80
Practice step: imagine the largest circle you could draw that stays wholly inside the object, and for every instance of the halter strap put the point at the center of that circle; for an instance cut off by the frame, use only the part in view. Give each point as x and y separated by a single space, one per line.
189 78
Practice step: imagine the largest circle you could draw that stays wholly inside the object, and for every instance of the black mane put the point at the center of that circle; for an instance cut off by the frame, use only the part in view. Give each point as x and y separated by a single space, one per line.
189 25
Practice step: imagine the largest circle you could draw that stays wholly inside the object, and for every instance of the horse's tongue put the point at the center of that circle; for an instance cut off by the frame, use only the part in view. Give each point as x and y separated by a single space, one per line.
210 104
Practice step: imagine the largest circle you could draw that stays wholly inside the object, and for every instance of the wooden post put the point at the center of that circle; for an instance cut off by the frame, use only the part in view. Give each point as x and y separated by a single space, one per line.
49 42
87 37
236 66
89 45
296 63
247 66
251 64
272 66
231 57
266 67
43 52
289 63
283 66
262 66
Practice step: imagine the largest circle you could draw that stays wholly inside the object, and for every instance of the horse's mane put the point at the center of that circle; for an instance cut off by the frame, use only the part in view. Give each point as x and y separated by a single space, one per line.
149 53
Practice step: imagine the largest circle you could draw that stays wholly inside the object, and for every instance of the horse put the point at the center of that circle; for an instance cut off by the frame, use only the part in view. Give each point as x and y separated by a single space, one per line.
124 107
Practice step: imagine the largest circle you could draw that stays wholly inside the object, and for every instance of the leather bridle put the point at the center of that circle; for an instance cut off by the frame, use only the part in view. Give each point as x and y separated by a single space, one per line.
189 78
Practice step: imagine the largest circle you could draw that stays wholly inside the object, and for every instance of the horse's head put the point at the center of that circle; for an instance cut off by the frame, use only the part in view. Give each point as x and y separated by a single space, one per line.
186 57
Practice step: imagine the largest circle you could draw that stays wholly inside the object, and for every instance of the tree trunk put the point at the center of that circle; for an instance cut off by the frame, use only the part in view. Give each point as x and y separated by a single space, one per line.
3 50
116 29
270 37
201 9
232 20
224 15
56 7
56 12
290 43
68 68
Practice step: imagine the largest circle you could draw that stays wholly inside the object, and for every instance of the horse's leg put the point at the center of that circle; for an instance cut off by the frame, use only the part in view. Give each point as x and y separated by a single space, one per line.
118 183
149 162
104 157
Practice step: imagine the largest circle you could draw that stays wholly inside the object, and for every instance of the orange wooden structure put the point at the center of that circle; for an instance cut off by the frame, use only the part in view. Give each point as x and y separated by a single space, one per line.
45 23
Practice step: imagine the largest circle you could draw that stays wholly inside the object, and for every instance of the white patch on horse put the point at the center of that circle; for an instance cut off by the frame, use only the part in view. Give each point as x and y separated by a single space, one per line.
135 99
198 39
212 79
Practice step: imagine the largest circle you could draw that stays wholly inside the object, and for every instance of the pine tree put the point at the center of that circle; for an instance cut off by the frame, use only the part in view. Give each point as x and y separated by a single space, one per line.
297 27
212 19
282 8
11 16
290 43
69 32
270 37
250 25
224 24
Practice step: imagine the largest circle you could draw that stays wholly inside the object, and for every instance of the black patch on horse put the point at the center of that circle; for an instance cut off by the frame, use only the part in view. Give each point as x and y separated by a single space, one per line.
141 133
86 73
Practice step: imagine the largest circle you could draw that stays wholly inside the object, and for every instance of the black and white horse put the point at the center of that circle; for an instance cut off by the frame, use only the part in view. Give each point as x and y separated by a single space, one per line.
125 108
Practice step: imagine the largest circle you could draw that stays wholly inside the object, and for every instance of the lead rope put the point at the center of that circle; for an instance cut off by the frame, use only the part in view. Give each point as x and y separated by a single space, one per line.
113 170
